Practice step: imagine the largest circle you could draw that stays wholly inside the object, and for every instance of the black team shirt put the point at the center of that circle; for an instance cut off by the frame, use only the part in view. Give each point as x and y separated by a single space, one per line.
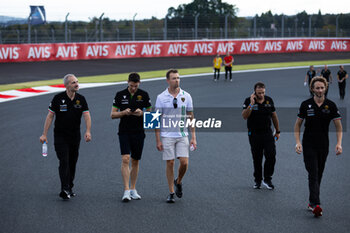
124 100
68 114
259 120
342 74
317 121
311 74
326 74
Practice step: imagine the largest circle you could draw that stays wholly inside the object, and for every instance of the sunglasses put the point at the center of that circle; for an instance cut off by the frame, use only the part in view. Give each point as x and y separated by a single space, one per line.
175 102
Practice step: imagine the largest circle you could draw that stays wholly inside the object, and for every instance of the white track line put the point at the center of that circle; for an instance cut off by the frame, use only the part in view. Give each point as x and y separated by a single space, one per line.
49 89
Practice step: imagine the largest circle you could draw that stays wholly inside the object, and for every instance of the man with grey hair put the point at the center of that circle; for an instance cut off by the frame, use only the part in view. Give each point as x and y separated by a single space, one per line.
68 107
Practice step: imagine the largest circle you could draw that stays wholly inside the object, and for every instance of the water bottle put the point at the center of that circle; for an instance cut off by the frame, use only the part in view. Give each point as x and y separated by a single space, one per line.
192 147
44 149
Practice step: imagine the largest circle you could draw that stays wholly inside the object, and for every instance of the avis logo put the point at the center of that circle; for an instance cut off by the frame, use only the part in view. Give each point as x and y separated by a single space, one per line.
151 120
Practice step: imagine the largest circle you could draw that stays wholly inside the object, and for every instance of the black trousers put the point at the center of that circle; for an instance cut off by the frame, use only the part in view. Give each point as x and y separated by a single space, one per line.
216 73
67 153
263 144
315 160
342 89
228 69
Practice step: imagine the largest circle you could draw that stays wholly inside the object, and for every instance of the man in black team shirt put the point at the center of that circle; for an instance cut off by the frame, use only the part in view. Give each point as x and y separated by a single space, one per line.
310 74
128 105
342 76
317 112
326 73
258 110
68 107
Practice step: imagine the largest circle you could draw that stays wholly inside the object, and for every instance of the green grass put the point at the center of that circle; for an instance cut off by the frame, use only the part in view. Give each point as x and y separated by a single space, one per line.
161 73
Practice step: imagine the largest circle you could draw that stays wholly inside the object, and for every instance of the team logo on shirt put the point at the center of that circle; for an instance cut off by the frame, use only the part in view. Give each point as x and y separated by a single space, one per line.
63 108
77 104
183 99
63 101
139 98
326 109
125 100
310 112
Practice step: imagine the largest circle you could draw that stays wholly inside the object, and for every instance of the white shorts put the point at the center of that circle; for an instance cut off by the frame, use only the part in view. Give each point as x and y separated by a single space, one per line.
175 147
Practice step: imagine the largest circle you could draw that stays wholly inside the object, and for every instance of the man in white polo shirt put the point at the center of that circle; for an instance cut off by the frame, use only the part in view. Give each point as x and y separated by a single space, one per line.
176 106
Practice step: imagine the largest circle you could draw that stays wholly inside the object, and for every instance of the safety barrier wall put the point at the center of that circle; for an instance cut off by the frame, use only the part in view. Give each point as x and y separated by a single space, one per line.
133 49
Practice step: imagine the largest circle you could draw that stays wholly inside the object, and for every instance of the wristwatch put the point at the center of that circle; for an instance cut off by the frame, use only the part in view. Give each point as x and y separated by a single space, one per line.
278 132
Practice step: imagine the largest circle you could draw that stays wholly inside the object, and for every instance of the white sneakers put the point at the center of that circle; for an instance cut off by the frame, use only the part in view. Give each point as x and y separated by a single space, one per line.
126 196
130 194
134 195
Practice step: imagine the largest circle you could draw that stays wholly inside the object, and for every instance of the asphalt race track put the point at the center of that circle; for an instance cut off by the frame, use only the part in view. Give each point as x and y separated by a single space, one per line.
218 194
34 71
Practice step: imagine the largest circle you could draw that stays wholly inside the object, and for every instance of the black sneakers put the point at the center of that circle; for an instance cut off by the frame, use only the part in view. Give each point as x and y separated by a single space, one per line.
170 198
178 192
268 184
64 195
71 193
257 185
178 189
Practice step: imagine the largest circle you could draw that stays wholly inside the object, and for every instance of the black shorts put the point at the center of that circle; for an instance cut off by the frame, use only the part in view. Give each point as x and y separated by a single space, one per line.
132 144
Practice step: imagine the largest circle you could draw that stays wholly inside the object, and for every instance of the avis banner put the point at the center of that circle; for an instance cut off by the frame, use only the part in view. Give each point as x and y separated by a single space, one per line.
116 50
